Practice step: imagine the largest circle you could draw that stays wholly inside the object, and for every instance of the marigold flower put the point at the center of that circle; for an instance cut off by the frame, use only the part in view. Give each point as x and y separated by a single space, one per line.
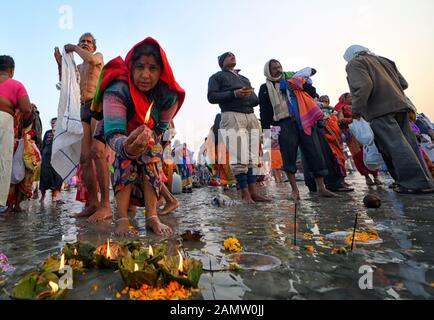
232 244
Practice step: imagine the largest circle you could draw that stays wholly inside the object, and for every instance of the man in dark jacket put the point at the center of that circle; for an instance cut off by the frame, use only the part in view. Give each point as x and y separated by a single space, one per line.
377 88
236 98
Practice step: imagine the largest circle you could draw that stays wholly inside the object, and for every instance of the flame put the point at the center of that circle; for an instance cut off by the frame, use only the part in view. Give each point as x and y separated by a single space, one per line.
148 113
136 267
54 287
75 252
180 268
62 262
108 255
151 252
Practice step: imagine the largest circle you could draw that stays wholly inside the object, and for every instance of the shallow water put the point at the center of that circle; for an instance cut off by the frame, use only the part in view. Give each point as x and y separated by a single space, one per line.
404 262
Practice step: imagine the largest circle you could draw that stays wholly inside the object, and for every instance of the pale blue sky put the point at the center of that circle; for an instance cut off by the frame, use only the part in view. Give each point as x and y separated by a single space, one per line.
193 33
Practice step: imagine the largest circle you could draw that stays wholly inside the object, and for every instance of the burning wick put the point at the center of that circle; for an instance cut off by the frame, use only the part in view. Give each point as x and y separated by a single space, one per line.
151 252
147 117
108 255
75 252
54 287
62 262
136 267
180 268
148 113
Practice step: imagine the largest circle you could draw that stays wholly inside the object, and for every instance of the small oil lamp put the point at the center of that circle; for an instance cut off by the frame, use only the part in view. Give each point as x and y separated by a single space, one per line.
54 287
135 273
185 270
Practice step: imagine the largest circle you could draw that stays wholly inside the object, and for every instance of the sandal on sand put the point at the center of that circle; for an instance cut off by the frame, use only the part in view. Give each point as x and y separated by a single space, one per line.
413 191
403 190
425 191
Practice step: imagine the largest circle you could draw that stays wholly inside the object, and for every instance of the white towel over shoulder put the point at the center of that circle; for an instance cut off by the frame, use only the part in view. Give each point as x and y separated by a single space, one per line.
69 130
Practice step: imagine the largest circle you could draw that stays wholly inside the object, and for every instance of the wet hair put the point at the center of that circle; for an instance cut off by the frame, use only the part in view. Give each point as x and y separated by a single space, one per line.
88 34
7 63
147 49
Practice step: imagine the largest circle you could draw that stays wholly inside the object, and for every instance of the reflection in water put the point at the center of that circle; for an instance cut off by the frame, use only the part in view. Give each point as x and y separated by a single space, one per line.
404 262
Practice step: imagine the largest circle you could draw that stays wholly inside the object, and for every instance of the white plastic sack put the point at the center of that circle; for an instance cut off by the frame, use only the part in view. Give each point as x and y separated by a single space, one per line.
69 129
18 168
176 184
362 131
372 157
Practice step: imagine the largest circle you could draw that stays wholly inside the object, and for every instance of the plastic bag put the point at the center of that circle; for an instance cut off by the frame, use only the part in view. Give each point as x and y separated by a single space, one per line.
18 168
372 157
362 131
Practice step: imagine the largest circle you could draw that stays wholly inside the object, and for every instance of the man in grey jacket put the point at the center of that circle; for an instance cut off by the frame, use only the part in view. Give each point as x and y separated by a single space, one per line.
236 98
377 88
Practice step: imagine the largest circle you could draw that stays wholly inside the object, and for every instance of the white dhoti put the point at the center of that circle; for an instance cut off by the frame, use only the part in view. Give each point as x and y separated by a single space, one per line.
6 154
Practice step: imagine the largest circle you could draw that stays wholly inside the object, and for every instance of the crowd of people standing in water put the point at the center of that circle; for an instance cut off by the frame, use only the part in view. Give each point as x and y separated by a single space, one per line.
127 113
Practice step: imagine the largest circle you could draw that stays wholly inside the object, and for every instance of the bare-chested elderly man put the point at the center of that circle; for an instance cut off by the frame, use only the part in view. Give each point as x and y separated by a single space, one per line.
92 150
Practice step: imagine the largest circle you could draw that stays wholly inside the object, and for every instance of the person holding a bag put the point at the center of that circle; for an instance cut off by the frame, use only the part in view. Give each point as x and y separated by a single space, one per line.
377 88
31 157
13 100
288 103
344 110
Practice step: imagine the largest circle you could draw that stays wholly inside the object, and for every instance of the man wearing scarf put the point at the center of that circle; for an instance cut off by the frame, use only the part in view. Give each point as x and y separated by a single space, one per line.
298 128
92 149
236 98
377 88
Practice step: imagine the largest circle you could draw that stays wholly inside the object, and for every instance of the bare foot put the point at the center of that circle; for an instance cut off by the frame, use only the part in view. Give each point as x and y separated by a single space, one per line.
153 223
101 214
327 194
245 197
160 203
259 198
295 196
87 212
123 228
169 207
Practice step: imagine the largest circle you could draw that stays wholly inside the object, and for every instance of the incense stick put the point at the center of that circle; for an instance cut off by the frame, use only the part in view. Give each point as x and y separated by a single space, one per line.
354 231
295 223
